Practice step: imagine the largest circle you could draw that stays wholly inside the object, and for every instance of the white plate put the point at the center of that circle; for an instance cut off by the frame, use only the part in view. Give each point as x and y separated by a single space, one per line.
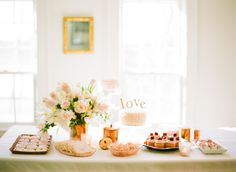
213 151
207 150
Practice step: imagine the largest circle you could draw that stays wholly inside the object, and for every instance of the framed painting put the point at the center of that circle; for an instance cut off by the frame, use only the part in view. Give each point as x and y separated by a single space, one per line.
78 35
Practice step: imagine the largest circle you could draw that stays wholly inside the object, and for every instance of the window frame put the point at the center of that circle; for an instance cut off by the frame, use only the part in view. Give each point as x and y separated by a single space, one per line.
183 78
5 125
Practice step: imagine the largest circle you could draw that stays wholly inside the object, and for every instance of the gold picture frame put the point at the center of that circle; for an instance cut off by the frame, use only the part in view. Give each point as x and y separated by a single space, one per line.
78 34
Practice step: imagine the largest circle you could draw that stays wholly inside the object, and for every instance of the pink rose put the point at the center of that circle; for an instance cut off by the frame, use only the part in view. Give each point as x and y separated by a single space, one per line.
68 115
80 107
65 104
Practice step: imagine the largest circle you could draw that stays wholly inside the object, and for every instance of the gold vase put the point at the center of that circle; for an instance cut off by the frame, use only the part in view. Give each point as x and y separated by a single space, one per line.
77 131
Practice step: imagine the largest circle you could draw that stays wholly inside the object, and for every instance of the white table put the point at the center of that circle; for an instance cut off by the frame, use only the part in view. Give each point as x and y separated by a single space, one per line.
145 160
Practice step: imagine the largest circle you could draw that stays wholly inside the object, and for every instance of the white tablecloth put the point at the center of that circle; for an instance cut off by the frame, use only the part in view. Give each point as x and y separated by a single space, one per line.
145 160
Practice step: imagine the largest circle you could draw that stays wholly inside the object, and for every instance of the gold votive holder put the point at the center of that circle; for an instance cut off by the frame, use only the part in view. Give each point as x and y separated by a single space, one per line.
196 135
185 134
111 133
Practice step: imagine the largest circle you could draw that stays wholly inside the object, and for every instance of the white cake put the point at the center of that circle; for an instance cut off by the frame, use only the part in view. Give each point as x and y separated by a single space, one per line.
134 118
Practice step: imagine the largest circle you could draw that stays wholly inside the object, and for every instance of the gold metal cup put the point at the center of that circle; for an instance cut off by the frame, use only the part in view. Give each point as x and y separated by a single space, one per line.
111 133
185 133
196 135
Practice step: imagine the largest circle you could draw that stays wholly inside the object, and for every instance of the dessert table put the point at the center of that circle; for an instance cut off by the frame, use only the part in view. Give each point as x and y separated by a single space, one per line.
146 160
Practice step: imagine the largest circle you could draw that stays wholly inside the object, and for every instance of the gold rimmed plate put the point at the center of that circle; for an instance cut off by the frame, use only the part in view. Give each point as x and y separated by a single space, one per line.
37 143
161 149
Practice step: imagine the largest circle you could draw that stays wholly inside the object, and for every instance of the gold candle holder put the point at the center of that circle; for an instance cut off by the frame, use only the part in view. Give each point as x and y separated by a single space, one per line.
196 135
185 133
111 133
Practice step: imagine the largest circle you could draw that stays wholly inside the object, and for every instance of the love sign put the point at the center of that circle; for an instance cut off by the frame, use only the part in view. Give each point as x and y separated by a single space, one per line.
132 103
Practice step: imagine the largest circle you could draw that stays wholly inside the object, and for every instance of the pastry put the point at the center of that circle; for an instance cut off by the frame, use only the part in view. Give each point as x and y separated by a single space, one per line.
159 143
164 140
171 143
105 143
27 143
151 141
156 135
175 135
177 141
150 135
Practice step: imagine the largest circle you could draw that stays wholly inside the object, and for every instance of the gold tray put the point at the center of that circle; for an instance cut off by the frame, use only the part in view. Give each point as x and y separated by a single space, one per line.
162 149
12 148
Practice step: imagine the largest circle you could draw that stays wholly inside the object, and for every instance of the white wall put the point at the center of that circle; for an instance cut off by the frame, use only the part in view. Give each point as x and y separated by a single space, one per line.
215 90
212 64
54 66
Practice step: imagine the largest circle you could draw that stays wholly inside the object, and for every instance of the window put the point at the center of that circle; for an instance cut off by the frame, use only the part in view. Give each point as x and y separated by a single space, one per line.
153 51
17 61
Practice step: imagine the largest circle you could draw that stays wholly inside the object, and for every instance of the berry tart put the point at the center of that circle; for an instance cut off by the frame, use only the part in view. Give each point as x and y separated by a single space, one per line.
164 141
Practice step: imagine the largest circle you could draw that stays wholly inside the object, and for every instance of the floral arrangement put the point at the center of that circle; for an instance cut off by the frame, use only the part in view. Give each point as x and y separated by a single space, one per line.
67 107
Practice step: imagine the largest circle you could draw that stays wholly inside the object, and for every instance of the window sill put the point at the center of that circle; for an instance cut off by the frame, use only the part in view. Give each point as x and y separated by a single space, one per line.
5 126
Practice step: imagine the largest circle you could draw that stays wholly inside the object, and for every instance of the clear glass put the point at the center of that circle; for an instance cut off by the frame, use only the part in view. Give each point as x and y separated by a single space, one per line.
6 11
17 98
185 148
7 110
17 47
24 86
6 86
157 49
24 110
23 11
17 60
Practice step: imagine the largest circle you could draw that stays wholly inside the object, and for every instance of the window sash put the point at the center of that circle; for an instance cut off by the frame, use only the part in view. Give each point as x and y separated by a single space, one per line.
16 100
134 65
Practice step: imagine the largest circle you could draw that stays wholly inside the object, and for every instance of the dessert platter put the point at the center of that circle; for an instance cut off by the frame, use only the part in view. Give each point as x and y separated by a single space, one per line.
31 144
210 147
164 141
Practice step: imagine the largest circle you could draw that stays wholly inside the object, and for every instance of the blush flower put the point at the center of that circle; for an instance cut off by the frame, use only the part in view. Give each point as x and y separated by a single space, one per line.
80 107
69 107
68 115
54 96
65 87
65 104
101 107
49 103
73 95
